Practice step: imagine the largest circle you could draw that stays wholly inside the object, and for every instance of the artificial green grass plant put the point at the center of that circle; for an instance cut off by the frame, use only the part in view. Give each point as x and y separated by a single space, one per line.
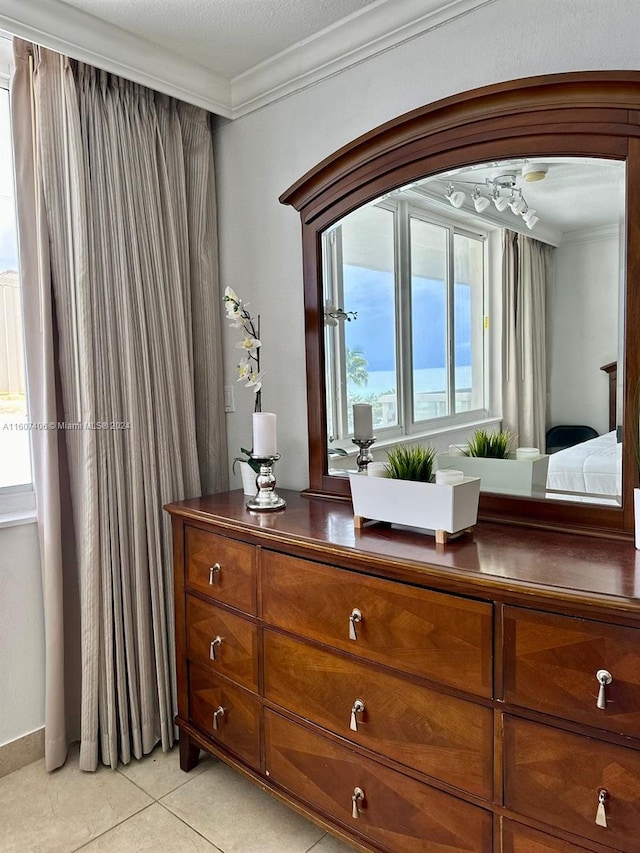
491 445
411 463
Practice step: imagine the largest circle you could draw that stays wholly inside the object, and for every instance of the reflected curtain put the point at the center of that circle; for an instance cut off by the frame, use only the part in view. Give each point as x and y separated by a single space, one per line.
527 276
117 228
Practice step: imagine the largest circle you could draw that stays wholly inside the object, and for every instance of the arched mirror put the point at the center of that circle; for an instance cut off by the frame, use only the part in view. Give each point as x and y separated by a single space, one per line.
473 265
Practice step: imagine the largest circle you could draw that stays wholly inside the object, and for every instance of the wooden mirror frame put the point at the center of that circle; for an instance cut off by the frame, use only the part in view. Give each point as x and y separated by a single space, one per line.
591 114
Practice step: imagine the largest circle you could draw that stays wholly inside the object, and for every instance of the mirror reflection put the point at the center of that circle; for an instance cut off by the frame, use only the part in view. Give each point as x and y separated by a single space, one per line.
488 297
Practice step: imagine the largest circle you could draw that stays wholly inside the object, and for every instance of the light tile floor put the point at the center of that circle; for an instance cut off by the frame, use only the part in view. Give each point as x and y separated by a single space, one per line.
148 806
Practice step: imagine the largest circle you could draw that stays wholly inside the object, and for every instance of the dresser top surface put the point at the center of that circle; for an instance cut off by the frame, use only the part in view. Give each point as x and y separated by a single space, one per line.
496 556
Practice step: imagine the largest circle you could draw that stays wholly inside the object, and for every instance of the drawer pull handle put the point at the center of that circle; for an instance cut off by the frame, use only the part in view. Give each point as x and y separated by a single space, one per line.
601 814
357 797
218 713
356 616
212 647
214 573
358 708
604 677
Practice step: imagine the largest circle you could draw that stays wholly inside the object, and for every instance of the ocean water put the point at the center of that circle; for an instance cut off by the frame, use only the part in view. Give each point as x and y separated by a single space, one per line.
427 380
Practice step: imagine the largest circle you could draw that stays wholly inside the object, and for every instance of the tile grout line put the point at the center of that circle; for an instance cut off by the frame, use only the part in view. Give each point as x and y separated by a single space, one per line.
315 844
119 823
193 829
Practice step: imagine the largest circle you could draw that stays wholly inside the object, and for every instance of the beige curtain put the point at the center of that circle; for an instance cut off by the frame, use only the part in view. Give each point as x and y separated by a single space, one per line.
527 275
122 192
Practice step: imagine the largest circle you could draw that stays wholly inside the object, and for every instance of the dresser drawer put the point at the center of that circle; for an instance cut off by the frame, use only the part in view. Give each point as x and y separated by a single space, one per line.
442 637
222 642
238 724
555 777
396 812
517 838
221 568
439 735
550 665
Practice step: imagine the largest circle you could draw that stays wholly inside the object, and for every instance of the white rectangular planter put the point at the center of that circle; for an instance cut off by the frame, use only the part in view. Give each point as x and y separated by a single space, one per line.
442 509
504 476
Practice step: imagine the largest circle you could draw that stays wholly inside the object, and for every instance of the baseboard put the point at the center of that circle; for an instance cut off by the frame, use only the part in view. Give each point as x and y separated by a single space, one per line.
18 753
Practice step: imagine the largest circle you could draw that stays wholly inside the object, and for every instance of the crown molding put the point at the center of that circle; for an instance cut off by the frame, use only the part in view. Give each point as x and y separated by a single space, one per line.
81 36
590 235
375 28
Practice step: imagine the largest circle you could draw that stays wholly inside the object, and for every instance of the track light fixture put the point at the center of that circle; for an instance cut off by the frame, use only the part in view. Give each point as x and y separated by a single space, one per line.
502 191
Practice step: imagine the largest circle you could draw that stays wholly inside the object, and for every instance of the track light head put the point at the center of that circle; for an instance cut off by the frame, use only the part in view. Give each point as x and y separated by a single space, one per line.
480 202
456 197
500 201
517 204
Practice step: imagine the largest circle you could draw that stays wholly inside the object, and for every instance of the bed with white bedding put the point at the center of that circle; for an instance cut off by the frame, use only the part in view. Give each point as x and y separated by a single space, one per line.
593 467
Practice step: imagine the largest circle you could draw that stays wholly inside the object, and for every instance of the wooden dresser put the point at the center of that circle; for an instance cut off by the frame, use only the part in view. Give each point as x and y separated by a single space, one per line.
481 696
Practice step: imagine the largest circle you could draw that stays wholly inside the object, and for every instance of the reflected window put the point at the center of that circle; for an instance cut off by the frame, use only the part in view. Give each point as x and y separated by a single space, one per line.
447 309
361 348
404 319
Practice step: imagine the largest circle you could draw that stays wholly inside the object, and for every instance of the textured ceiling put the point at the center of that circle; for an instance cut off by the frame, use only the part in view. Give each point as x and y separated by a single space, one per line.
577 193
225 36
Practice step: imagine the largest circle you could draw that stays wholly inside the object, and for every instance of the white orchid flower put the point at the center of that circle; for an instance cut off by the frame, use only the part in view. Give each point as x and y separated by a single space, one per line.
231 296
244 370
249 343
255 381
248 368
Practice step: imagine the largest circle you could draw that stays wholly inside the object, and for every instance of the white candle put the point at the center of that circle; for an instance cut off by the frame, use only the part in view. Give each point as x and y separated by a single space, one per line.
449 477
264 434
362 420
524 453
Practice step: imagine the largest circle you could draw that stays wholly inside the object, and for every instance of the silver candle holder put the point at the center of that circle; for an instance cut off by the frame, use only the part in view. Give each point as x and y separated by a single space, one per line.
266 498
364 456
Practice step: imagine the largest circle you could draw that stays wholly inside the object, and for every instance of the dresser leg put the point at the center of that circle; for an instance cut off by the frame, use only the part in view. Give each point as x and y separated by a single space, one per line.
189 752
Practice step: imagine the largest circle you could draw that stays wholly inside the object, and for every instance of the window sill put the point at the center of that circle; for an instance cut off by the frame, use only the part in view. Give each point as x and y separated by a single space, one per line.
414 438
13 519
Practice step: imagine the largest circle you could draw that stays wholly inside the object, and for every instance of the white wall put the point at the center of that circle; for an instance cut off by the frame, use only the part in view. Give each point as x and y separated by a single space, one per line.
586 290
262 154
21 633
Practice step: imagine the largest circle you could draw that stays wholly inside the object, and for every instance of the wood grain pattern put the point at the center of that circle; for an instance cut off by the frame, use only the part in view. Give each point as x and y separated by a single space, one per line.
419 603
439 735
554 777
551 663
239 727
235 583
517 838
236 656
561 570
398 813
441 637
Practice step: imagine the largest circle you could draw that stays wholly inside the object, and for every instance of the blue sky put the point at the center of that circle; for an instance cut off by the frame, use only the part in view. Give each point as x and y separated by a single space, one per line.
370 293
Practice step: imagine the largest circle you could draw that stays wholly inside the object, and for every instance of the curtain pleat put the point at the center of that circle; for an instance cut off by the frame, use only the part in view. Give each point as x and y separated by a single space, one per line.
126 175
527 274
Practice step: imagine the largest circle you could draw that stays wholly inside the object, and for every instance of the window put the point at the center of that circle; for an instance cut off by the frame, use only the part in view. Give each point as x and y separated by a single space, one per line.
415 348
15 467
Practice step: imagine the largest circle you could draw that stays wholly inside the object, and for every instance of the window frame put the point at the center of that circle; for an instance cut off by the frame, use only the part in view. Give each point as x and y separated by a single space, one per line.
17 501
404 208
